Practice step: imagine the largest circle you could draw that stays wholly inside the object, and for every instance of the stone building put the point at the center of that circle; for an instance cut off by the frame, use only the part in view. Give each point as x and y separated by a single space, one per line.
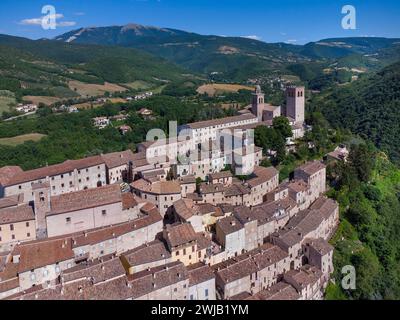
201 282
149 255
83 210
185 244
251 272
17 223
69 176
161 193
314 174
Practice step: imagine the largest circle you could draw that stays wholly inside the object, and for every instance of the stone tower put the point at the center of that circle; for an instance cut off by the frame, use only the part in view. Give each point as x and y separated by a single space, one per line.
295 104
257 104
42 207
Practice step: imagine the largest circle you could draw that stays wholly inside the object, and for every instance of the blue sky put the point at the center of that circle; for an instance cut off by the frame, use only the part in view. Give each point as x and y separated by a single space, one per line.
294 21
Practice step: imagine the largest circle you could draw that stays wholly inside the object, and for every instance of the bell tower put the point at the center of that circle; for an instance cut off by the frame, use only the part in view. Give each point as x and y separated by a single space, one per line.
257 104
42 207
295 103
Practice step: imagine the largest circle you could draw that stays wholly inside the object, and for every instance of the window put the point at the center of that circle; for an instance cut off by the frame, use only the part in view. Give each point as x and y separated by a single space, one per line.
11 227
62 176
28 234
19 187
177 253
13 236
62 185
87 178
68 219
191 297
27 224
184 251
103 212
206 293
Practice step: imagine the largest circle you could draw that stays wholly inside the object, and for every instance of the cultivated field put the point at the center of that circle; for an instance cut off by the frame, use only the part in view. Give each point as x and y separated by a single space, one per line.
93 90
138 85
41 99
14 141
220 88
5 102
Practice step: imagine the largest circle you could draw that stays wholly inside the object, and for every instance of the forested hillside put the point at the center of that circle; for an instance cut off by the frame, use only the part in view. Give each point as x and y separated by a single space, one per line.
73 136
369 107
44 67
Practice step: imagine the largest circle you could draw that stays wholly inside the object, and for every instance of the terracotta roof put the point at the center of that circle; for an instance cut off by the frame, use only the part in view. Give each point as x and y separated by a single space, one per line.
199 273
279 291
307 275
273 210
99 270
8 173
112 232
117 159
311 167
242 266
261 175
90 198
241 296
211 188
147 281
236 189
16 214
11 201
320 245
185 208
307 221
220 175
179 234
9 284
206 208
215 122
147 253
229 225
298 186
203 240
38 254
20 176
158 187
128 201
190 179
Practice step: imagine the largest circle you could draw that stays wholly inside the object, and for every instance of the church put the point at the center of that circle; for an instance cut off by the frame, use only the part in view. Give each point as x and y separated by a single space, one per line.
294 111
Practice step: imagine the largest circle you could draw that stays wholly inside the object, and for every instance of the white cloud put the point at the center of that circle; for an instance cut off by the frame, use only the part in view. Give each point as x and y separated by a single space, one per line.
283 33
253 37
291 41
80 13
38 21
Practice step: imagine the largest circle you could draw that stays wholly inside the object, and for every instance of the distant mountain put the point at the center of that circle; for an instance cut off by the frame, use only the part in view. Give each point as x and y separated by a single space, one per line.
44 67
341 47
236 58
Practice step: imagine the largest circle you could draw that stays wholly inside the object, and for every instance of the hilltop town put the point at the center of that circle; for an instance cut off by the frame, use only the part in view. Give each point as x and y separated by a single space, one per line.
195 217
